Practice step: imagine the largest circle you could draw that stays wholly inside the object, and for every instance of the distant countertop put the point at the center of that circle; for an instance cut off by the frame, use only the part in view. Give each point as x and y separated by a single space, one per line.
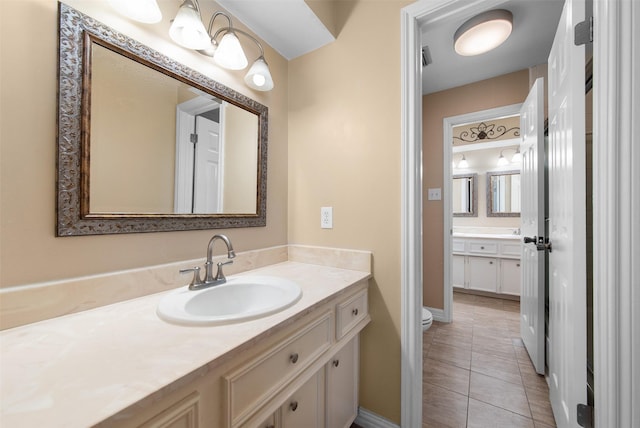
488 235
78 370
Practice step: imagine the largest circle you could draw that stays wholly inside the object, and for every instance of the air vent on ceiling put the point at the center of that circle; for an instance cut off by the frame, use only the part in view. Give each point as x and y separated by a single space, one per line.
426 56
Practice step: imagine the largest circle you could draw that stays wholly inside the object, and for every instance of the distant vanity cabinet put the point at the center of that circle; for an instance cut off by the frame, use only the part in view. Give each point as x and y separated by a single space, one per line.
485 264
305 375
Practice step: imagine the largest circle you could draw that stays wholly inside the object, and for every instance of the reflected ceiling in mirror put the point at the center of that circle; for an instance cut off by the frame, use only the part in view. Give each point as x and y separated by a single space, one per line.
128 120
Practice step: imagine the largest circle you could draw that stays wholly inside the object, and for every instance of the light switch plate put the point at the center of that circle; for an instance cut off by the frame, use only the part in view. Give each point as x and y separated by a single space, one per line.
434 194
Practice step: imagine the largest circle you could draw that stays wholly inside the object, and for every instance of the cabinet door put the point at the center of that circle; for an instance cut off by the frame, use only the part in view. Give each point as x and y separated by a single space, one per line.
342 387
270 422
305 407
510 277
457 274
483 274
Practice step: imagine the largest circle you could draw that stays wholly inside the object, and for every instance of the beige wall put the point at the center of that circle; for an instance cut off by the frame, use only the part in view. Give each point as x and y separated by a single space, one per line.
344 152
497 92
29 250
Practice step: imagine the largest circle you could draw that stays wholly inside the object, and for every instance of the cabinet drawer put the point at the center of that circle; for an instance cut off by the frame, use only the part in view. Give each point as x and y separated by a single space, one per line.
457 246
483 247
350 312
510 249
254 383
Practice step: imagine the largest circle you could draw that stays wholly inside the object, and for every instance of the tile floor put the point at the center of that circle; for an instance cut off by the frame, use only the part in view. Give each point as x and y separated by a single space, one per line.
477 373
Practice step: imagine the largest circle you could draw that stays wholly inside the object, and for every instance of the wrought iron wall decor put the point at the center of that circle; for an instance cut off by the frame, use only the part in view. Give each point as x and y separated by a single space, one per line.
486 132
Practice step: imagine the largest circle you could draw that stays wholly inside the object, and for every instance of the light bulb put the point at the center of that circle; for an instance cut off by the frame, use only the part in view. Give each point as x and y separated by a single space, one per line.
517 157
188 30
146 11
502 161
229 53
259 76
463 163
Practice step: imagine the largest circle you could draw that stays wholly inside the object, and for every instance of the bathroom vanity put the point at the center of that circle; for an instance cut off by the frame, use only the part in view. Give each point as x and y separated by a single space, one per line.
487 263
121 366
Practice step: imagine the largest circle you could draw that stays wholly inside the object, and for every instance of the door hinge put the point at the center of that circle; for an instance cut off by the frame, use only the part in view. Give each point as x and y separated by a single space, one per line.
583 32
585 415
193 138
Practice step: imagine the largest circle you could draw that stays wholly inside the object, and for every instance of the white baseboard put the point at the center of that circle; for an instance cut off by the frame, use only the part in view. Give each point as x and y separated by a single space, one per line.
368 419
438 314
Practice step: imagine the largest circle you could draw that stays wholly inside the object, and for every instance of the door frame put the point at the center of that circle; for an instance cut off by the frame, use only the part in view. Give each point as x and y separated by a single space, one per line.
616 194
448 124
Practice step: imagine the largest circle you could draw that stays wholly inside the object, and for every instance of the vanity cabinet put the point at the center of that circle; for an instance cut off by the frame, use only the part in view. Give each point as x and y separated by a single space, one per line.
303 376
488 265
510 277
342 386
483 274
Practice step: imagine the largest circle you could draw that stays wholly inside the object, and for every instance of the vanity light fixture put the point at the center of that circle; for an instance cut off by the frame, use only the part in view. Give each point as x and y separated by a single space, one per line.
463 164
145 11
502 161
483 32
222 45
516 158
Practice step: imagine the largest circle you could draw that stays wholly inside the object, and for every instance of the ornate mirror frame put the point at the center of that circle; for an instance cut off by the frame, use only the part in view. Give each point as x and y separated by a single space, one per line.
76 32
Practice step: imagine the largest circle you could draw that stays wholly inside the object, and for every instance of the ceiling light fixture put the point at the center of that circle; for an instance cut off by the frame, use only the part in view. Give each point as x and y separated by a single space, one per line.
224 46
483 32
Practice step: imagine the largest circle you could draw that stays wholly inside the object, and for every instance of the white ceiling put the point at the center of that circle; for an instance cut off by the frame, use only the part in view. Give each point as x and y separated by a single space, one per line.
534 26
288 26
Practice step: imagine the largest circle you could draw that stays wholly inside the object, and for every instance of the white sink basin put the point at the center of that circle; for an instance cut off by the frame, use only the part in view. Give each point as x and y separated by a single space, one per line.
241 298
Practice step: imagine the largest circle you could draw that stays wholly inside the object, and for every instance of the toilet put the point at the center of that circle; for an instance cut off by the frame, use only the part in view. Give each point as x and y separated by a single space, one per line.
427 319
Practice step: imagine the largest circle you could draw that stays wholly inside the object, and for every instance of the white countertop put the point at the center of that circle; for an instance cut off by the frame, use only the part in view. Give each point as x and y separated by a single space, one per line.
79 369
487 235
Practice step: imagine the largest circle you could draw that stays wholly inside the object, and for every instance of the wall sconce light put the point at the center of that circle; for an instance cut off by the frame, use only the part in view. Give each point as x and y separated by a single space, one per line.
463 164
516 158
483 32
224 46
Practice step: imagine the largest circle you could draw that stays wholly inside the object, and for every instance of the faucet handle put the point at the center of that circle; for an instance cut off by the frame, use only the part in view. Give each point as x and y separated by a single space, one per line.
220 274
196 280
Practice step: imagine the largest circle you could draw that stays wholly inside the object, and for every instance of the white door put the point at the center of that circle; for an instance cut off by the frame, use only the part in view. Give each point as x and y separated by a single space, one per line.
207 185
532 224
567 222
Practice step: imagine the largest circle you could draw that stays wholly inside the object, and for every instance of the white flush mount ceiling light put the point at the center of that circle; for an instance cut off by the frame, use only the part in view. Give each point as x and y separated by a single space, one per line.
483 32
223 45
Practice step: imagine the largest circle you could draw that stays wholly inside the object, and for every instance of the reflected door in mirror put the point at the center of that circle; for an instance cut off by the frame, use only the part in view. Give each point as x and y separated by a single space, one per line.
503 194
159 145
464 195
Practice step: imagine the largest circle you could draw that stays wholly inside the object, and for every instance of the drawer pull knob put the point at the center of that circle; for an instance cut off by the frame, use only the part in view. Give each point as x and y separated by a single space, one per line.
293 406
294 358
490 263
482 248
355 312
518 264
336 363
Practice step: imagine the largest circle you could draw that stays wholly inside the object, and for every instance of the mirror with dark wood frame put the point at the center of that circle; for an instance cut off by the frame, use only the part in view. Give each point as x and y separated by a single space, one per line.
146 144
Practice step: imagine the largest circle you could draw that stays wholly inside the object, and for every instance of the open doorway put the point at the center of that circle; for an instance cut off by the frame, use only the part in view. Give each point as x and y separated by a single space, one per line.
481 202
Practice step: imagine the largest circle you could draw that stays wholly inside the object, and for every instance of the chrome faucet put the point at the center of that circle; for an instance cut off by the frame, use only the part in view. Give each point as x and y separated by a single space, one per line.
209 280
